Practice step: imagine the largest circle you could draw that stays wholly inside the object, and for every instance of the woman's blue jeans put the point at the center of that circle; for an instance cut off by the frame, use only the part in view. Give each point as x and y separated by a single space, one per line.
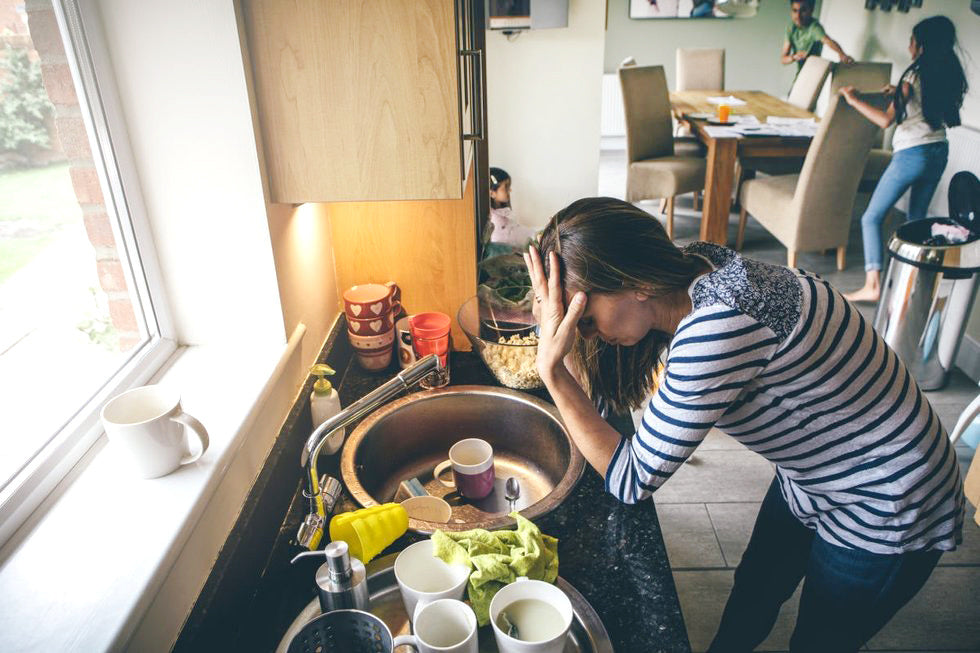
918 168
848 594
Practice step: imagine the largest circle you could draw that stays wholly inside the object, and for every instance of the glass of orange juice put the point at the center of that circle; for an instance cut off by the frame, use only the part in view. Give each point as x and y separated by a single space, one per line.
724 112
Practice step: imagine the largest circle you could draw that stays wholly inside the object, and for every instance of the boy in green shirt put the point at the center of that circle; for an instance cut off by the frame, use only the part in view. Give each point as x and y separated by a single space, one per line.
806 36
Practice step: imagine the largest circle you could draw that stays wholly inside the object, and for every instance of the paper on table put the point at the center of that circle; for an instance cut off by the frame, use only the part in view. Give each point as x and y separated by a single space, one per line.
722 132
730 100
758 130
783 120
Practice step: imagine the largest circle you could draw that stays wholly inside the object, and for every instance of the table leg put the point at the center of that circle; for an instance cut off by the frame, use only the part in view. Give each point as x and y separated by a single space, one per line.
718 189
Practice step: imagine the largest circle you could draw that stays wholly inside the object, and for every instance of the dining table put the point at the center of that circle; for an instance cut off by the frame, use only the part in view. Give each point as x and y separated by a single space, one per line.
694 109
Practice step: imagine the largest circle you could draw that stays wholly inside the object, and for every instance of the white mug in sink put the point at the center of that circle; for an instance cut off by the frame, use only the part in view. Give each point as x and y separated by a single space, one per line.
541 612
424 578
442 626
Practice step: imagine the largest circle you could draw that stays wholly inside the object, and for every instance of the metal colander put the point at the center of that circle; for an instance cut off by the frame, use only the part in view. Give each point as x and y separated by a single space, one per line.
343 631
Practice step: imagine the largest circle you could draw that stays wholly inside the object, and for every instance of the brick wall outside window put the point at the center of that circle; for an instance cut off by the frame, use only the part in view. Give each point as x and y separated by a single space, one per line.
71 134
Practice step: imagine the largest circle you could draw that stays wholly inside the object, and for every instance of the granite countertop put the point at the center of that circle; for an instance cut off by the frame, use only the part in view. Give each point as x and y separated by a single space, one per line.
612 553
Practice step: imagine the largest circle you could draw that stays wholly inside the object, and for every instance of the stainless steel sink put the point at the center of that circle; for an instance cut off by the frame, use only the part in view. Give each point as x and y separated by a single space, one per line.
408 437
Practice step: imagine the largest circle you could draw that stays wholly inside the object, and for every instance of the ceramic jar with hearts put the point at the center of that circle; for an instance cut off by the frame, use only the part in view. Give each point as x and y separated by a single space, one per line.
369 309
373 326
371 300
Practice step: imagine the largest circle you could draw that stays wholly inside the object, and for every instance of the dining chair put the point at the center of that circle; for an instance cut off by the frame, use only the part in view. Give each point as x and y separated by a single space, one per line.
685 144
867 77
808 83
804 93
700 69
653 169
811 211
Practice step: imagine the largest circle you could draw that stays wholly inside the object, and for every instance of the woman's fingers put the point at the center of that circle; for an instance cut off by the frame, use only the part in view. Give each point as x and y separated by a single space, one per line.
536 271
555 298
576 307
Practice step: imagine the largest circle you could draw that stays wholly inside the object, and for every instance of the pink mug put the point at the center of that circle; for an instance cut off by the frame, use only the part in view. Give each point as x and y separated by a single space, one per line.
369 301
472 463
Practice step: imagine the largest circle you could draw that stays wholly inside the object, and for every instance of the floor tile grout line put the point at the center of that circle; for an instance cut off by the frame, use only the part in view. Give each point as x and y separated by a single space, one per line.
717 539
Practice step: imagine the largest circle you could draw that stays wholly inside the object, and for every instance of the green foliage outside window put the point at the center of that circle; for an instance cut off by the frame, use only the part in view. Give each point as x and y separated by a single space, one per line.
24 104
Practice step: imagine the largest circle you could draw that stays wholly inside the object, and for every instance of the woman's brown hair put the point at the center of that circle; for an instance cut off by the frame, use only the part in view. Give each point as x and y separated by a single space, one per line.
605 245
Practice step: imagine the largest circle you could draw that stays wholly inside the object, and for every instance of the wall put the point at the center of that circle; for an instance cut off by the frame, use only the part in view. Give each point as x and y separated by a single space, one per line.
191 135
240 273
884 36
752 45
544 93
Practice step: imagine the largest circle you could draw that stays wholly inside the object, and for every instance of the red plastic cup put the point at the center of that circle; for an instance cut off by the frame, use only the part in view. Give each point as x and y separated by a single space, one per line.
430 335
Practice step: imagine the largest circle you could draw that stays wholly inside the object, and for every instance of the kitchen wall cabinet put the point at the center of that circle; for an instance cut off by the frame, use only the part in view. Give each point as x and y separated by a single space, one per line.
357 100
428 247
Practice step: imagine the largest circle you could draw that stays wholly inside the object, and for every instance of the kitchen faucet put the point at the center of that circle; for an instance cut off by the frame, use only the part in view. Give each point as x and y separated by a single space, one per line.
311 530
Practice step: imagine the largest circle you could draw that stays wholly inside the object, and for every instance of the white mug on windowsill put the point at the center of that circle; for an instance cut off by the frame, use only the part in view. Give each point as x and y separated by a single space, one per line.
146 425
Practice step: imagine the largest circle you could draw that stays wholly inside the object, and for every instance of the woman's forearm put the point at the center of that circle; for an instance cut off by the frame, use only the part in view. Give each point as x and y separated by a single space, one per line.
592 435
875 115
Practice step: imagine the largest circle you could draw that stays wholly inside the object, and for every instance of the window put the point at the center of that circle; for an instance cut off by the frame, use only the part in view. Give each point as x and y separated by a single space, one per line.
80 310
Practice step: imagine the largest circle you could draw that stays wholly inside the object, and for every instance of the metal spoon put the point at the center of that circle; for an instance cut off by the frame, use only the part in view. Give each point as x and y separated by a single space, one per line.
512 491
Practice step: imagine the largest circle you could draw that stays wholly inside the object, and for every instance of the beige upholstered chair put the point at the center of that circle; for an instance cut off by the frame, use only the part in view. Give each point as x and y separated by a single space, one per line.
701 69
653 169
867 77
683 145
806 89
811 211
809 82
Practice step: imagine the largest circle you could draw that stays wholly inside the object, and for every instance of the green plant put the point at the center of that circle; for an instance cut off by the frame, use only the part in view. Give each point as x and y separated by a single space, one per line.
24 104
97 324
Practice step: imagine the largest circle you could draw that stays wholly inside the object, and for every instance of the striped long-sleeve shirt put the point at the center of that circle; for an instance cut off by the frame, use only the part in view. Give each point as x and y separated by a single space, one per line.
780 361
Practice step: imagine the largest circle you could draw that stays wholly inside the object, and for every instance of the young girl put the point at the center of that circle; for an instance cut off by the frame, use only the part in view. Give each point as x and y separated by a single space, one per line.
508 234
927 100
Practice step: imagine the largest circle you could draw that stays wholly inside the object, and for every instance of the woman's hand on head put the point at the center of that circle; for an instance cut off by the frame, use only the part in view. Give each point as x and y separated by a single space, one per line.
557 325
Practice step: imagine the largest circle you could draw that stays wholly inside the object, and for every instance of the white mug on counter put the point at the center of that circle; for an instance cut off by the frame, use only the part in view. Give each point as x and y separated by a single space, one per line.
148 427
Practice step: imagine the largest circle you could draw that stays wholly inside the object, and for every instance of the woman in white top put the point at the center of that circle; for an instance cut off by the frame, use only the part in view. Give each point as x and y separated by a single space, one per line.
927 100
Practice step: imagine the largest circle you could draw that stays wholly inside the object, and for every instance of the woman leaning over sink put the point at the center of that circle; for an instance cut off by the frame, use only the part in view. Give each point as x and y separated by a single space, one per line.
867 493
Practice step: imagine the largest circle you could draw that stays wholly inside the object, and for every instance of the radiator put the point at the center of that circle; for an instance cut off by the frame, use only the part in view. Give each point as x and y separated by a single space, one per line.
964 154
613 122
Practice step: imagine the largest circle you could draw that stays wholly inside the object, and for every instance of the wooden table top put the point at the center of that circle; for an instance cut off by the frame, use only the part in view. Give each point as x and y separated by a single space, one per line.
757 103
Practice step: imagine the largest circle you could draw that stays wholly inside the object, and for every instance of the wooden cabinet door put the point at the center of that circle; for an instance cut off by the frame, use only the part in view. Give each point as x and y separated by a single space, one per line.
357 100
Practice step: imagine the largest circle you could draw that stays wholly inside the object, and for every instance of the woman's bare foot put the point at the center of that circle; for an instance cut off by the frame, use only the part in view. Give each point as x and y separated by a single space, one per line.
865 294
870 292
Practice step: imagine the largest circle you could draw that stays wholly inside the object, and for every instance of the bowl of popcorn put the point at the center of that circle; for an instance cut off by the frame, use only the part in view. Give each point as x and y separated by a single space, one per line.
505 339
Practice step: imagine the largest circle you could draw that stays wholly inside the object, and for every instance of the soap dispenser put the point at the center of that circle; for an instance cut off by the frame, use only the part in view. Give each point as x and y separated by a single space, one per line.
341 580
324 404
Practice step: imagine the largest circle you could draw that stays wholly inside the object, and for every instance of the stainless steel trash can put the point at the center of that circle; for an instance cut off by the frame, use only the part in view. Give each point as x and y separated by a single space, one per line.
926 299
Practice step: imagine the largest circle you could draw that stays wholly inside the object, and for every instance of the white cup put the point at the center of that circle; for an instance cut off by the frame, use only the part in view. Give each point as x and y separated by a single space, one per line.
147 425
422 577
443 626
523 588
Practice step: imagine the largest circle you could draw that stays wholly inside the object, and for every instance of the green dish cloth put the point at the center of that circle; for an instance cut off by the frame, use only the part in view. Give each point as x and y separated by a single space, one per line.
498 558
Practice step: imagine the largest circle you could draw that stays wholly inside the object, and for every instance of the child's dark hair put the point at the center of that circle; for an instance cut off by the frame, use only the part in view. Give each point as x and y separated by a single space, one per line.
809 3
497 177
940 72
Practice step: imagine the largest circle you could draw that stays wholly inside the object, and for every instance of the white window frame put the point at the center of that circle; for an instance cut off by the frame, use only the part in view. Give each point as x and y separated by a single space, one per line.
88 59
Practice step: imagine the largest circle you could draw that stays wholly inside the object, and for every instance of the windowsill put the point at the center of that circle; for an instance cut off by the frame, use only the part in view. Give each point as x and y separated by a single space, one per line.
99 549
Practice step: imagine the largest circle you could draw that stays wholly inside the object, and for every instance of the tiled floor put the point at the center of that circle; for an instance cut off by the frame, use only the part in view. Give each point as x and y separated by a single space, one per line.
708 508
